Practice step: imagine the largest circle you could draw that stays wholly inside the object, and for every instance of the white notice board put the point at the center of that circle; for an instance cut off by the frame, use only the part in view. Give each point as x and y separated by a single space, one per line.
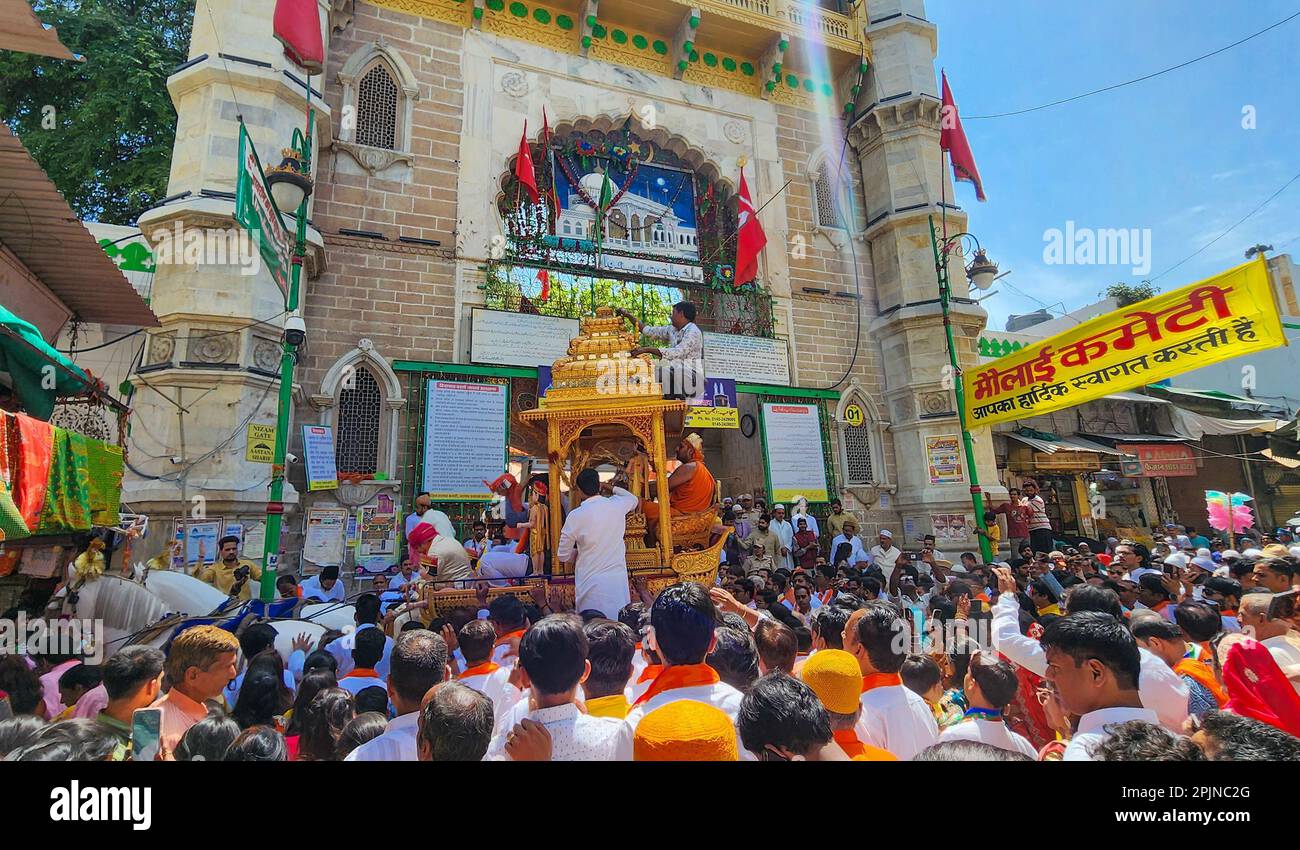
792 440
519 339
464 438
747 359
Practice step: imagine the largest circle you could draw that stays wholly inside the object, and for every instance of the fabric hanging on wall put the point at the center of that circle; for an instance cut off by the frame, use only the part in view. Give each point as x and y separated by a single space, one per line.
105 468
31 473
67 499
12 524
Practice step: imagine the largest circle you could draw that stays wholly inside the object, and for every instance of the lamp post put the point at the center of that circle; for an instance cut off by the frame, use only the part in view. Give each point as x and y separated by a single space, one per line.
291 185
981 273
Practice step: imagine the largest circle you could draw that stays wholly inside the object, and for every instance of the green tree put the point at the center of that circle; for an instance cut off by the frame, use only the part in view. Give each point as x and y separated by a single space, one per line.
1130 293
103 128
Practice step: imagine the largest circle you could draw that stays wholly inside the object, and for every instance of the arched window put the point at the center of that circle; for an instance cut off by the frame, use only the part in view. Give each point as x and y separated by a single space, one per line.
826 198
861 443
379 94
360 397
360 411
377 104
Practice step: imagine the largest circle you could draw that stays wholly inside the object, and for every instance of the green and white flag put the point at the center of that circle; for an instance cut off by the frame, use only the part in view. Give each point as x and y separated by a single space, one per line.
255 211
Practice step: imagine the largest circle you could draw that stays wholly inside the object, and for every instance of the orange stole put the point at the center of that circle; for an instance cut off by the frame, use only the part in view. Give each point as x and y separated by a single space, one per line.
679 676
1202 673
483 669
858 751
692 497
871 681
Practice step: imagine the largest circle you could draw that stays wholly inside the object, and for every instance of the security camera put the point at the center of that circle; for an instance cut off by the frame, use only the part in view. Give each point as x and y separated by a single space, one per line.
290 457
177 460
295 330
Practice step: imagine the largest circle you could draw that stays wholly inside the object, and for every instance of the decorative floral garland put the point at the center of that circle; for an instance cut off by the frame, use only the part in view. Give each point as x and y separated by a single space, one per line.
632 166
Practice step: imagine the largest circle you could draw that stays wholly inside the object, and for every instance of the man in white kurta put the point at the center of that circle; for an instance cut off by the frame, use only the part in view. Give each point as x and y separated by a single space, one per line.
593 536
784 531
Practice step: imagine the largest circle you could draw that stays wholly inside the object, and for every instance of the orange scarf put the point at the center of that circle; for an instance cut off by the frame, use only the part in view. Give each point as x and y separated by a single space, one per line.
871 681
650 671
507 636
679 676
858 751
828 595
1205 676
480 669
363 673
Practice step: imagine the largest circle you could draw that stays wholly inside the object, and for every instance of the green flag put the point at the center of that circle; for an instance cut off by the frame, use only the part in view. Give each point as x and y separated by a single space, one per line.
606 192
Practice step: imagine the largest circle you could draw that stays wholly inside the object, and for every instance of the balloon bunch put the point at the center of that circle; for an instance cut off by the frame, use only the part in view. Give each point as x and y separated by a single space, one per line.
1229 512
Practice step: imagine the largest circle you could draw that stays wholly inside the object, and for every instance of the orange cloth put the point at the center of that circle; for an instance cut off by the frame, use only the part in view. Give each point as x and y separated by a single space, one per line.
505 638
685 730
858 751
690 498
880 680
679 676
1203 674
649 673
614 705
483 669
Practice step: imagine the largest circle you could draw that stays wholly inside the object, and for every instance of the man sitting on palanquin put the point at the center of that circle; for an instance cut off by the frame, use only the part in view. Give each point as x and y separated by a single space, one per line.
691 487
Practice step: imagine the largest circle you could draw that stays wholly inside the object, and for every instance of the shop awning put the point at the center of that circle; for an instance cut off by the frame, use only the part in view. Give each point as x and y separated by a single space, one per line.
1064 444
40 229
1197 425
1215 395
27 358
1137 397
1138 438
22 32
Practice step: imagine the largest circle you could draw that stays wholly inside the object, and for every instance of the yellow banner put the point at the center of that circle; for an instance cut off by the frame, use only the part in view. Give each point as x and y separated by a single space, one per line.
1221 317
712 417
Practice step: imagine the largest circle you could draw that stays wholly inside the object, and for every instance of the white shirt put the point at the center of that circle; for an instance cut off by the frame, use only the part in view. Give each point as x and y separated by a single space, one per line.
594 532
857 553
501 562
341 648
1092 729
356 684
311 588
992 732
1161 689
885 559
684 344
441 523
896 719
574 736
496 687
477 547
292 672
1287 656
785 533
397 743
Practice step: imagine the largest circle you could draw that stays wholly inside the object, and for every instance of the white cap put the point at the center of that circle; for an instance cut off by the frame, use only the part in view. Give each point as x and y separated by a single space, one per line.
737 509
1204 562
1252 553
1178 559
1202 552
1229 553
778 507
887 533
958 568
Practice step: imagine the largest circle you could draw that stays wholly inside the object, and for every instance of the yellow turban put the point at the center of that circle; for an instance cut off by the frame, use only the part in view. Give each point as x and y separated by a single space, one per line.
685 730
835 678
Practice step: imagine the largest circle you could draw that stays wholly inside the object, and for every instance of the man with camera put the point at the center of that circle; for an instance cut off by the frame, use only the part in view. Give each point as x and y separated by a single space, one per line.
231 573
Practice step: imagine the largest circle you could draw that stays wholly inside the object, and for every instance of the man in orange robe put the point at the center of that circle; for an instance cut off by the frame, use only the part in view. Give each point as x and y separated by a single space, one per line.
691 486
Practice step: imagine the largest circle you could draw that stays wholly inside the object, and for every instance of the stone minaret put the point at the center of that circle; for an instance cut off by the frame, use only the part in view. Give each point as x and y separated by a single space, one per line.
213 365
897 143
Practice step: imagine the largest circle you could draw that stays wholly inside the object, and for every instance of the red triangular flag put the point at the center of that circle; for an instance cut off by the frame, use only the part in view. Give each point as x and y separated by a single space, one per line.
545 277
750 238
524 166
297 26
952 138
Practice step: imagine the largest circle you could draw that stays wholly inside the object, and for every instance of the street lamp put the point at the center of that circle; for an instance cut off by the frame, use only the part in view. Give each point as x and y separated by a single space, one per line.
981 273
290 185
289 181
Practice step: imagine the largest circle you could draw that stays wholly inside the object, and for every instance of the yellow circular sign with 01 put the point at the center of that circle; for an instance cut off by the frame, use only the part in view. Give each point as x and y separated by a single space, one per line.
853 415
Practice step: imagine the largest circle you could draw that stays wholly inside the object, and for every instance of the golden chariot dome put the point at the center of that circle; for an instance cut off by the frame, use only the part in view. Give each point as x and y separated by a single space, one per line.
600 365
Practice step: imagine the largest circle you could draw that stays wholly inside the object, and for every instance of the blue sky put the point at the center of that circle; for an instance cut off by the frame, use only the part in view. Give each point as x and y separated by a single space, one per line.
1168 154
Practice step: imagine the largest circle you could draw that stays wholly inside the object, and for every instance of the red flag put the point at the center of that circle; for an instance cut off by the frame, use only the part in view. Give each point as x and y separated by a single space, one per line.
297 26
524 166
750 238
952 138
545 277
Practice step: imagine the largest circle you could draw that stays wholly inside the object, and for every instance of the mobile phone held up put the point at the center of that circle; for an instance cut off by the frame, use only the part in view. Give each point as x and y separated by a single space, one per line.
146 732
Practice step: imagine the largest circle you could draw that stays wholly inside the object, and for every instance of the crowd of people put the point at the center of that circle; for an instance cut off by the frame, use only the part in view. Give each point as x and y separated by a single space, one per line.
1179 652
